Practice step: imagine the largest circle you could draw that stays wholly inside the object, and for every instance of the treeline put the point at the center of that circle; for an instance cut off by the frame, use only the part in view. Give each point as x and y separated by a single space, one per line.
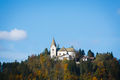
41 67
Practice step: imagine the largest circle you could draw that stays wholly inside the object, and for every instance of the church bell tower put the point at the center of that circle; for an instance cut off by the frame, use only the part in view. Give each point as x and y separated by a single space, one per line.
53 49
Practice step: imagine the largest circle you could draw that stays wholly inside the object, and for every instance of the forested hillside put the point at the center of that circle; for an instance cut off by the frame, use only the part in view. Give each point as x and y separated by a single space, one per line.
41 67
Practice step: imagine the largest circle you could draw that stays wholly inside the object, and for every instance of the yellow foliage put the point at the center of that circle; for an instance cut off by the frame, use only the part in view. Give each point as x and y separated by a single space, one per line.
65 67
42 59
100 64
101 79
66 72
73 77
38 72
94 78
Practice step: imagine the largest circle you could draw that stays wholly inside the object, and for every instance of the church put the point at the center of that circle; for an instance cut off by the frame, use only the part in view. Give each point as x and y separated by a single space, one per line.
61 53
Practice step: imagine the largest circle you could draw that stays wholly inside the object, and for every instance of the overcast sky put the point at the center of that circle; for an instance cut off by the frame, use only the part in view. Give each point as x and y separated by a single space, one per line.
28 26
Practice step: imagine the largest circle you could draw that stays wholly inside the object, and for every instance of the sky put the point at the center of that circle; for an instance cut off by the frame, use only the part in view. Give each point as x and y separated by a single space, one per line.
28 26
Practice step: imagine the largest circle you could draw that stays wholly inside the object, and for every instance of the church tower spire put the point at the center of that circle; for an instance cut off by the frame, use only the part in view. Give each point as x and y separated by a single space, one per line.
53 43
53 49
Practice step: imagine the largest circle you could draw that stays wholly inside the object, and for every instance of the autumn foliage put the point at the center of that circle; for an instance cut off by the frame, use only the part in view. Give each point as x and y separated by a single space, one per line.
42 67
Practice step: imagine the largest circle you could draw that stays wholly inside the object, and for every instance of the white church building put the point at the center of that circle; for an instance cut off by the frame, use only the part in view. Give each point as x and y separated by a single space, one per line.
61 53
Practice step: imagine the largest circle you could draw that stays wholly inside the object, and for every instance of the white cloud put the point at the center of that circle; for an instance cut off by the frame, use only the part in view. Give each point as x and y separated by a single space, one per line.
14 34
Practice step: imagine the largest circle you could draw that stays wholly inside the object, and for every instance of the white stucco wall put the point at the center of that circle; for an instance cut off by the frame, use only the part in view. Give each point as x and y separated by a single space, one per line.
84 59
72 54
59 53
53 53
65 56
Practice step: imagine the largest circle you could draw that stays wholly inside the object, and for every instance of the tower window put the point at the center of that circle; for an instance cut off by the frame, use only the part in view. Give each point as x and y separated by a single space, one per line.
52 49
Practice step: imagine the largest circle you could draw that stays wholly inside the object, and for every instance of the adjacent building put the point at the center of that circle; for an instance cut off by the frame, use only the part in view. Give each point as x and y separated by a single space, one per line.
65 53
61 53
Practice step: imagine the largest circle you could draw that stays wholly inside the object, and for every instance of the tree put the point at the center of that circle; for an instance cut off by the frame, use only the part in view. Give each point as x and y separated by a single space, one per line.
42 67
90 53
58 71
66 72
94 78
80 53
46 52
0 67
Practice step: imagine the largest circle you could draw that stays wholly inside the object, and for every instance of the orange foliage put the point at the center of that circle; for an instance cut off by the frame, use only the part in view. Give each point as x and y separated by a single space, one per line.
94 78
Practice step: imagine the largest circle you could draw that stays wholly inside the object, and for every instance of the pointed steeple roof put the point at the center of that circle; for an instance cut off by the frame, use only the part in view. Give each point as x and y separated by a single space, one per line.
53 42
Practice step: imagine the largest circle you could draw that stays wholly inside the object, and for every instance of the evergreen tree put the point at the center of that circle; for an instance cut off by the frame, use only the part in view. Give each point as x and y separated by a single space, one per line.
90 53
42 67
46 51
79 54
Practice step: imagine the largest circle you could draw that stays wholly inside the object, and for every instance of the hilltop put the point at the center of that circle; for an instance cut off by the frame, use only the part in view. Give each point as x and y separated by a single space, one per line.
43 67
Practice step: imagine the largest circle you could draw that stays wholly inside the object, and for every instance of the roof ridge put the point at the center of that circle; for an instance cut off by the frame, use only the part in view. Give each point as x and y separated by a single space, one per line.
63 49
